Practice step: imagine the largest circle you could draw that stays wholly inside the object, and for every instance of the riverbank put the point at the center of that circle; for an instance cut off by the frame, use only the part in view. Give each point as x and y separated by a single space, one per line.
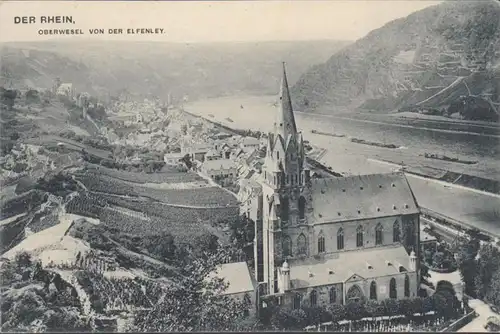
424 136
321 168
473 207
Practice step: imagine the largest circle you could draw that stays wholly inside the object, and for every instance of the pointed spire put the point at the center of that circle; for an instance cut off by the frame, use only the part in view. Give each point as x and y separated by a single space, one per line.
285 120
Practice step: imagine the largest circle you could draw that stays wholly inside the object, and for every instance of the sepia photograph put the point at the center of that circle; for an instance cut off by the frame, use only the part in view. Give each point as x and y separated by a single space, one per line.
174 166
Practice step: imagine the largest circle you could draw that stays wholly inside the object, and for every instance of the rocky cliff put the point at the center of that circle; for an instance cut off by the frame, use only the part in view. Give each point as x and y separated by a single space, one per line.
430 59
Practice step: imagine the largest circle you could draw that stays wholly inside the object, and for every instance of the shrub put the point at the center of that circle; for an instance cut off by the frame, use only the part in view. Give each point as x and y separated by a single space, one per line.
337 311
355 311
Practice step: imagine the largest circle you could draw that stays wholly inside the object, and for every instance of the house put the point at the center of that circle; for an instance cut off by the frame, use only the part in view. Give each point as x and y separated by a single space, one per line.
66 89
220 170
196 151
249 143
173 159
213 155
242 285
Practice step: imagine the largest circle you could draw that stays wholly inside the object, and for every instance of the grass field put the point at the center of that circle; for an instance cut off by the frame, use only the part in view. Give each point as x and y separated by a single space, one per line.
167 175
209 196
47 140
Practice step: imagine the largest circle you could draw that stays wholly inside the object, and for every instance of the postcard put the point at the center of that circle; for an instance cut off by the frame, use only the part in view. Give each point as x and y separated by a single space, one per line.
172 166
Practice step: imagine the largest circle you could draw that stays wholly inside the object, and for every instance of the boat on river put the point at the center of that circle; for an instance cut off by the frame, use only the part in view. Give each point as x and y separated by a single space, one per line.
446 158
326 133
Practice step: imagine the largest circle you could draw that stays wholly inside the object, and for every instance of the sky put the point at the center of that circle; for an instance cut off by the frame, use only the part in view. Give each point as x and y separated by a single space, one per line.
203 21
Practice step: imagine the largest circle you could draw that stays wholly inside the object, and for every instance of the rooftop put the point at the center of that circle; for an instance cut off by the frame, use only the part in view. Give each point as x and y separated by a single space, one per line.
362 197
218 164
237 275
250 141
342 266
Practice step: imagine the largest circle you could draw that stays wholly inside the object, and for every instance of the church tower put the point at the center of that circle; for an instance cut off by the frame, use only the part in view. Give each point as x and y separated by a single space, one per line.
285 191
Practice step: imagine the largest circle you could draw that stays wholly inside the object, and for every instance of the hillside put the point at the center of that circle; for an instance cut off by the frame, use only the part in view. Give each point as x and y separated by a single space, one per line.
428 60
149 68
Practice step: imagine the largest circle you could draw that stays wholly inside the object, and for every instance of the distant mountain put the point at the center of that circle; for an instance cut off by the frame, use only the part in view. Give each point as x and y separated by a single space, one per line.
154 68
430 59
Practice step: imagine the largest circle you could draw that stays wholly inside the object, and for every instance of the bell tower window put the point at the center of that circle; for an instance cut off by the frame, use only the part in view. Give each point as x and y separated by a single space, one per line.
302 207
285 206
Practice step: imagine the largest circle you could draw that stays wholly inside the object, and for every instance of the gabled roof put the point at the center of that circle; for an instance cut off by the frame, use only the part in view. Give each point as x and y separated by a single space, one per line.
218 164
237 275
343 266
362 197
250 141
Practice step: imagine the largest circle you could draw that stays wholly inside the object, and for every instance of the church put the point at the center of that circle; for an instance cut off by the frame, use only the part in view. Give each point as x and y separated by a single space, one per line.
328 240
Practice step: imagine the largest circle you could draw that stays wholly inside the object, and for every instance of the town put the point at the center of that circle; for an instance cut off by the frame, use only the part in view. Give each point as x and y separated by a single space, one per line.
299 245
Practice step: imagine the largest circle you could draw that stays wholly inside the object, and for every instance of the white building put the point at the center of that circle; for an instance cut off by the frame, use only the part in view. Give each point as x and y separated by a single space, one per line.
220 169
249 143
172 159
66 89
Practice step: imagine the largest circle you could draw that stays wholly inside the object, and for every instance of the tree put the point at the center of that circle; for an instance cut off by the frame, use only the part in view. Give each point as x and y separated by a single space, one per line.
427 304
338 312
493 291
374 308
445 300
8 97
288 319
355 310
467 265
23 259
32 96
391 307
438 259
424 271
186 159
487 264
315 314
445 286
196 303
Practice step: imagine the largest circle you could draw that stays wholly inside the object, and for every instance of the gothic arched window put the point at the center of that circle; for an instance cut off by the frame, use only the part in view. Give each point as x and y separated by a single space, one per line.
393 292
321 243
302 207
313 298
373 290
287 246
285 207
396 232
359 236
297 301
333 295
340 238
407 286
301 244
379 234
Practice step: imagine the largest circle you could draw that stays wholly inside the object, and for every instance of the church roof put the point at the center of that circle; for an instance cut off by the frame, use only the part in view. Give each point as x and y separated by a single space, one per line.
362 197
237 275
348 265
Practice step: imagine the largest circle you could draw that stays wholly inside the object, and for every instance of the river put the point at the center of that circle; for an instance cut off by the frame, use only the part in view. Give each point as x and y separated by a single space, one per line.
471 142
